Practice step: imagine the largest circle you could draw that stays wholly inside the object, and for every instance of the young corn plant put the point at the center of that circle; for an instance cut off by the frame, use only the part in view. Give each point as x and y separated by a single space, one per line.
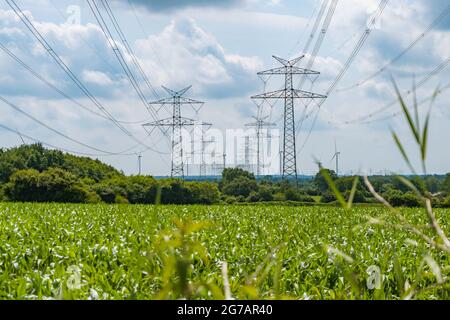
433 236
181 253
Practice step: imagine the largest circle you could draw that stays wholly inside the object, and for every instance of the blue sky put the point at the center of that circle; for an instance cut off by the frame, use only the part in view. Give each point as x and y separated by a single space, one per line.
218 47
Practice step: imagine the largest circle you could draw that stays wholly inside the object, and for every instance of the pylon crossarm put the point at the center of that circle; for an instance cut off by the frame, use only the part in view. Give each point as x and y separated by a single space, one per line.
177 93
298 94
182 92
292 70
190 101
288 63
170 123
162 102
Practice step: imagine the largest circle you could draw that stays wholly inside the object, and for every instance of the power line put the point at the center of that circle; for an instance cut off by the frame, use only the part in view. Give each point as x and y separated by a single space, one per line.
316 25
320 38
313 56
436 22
396 114
48 144
382 5
87 43
105 153
53 87
128 48
304 31
421 83
30 26
141 26
117 52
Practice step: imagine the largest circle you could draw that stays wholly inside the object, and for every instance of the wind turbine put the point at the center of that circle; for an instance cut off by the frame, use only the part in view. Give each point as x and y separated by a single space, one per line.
336 156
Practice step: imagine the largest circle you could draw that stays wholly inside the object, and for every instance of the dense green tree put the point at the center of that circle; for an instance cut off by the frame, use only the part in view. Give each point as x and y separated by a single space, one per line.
53 185
446 184
241 186
230 174
38 158
433 184
320 181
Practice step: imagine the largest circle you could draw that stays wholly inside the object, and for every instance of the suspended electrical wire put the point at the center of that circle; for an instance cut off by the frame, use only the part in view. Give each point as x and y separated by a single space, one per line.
382 5
129 48
118 53
320 38
396 114
59 91
144 33
50 145
316 25
30 26
300 38
312 59
104 152
87 43
442 66
435 23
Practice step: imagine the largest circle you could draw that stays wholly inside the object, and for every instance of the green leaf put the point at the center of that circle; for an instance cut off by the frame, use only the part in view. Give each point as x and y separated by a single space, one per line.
407 115
410 185
402 150
352 193
416 107
333 188
399 276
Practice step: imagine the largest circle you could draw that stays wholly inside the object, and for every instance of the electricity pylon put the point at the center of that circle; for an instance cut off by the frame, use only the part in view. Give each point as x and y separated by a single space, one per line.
176 122
259 124
289 94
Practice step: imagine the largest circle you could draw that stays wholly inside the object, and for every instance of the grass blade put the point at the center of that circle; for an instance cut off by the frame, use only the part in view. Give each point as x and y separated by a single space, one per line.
352 193
407 115
333 188
402 150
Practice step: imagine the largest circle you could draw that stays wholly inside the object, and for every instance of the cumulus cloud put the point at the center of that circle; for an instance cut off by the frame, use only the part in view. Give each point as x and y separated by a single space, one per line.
82 47
170 5
191 56
194 56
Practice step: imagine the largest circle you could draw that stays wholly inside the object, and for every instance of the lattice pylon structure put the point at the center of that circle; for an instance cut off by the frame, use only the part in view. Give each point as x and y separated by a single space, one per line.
260 124
289 94
176 123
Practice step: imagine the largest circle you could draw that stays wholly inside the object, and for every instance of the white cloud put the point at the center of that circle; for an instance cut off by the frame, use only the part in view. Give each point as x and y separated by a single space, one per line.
96 77
196 57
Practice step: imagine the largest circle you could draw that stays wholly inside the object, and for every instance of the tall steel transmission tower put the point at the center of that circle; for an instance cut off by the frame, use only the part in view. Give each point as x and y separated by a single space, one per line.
176 123
289 94
259 125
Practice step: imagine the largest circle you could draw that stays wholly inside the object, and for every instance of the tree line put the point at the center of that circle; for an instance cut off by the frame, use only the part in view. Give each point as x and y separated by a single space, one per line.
31 173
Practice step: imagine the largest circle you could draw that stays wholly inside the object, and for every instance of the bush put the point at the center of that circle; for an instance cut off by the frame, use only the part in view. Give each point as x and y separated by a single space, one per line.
121 200
398 199
229 199
53 185
203 192
105 192
359 196
328 197
253 197
241 186
279 196
2 194
446 202
265 193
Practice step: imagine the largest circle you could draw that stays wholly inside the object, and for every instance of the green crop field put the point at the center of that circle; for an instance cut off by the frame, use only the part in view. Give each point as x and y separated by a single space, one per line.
51 251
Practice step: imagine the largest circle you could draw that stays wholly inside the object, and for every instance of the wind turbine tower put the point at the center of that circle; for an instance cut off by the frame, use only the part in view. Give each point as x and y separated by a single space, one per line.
336 156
